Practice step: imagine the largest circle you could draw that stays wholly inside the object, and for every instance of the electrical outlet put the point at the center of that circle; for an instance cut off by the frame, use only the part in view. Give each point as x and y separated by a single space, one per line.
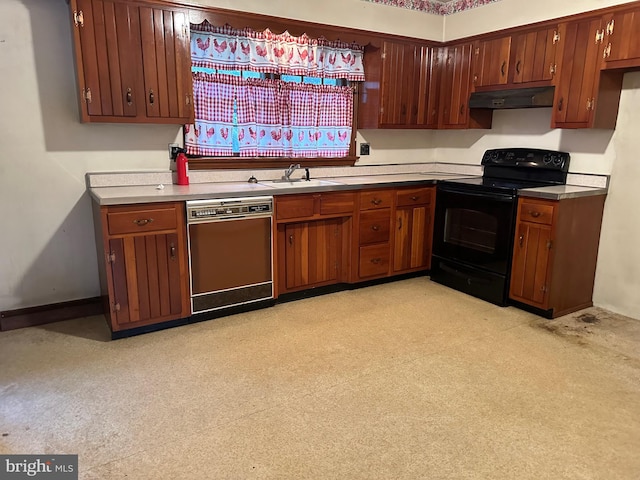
364 149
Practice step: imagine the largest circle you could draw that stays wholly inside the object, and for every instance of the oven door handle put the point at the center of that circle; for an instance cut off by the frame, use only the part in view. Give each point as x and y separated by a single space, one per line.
500 197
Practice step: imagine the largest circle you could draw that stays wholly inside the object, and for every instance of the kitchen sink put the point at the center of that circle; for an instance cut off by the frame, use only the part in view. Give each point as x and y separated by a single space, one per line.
300 183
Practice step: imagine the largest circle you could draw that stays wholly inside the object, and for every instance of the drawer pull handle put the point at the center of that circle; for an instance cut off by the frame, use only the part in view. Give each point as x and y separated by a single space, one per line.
172 251
521 239
129 96
375 228
291 240
376 201
415 198
534 214
152 97
141 222
400 223
376 261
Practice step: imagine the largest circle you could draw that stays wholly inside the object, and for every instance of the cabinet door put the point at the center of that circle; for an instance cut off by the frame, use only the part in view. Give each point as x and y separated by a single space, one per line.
530 264
491 62
408 90
148 274
166 57
575 99
622 38
534 58
313 252
108 58
412 247
456 77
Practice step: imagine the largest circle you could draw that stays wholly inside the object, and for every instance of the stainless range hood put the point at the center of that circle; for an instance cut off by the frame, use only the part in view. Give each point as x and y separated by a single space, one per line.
518 98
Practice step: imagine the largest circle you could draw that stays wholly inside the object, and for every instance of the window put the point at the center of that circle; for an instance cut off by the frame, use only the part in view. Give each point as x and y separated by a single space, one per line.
257 94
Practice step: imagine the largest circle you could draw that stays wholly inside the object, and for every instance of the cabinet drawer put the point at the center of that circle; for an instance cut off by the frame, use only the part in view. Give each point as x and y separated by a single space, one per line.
332 203
374 260
294 206
536 213
414 196
142 220
376 199
374 226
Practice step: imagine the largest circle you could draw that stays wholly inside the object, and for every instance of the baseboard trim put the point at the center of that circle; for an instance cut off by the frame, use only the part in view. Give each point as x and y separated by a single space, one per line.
54 312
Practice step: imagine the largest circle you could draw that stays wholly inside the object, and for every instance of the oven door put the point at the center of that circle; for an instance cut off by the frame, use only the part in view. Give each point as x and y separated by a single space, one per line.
474 228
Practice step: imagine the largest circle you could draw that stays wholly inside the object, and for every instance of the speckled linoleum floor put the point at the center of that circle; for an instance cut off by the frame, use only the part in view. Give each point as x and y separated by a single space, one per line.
406 380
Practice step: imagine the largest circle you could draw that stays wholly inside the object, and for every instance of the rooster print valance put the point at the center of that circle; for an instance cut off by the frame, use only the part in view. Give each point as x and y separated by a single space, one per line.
226 48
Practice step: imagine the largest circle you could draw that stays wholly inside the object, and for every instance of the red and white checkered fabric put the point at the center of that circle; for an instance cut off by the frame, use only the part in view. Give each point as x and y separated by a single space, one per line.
225 48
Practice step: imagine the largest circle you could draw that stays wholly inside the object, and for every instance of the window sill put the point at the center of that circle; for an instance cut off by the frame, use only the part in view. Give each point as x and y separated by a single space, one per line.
245 163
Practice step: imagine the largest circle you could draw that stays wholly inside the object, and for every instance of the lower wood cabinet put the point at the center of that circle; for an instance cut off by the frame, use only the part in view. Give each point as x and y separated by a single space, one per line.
413 229
313 234
143 266
555 252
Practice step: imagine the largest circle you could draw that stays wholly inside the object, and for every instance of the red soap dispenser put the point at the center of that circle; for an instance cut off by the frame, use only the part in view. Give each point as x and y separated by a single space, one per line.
182 167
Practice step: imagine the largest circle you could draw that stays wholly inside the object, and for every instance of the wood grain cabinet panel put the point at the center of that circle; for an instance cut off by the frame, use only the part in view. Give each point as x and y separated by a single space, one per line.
132 62
145 274
413 229
375 226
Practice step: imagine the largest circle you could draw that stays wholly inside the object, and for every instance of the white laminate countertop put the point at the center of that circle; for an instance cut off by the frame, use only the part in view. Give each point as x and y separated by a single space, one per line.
133 194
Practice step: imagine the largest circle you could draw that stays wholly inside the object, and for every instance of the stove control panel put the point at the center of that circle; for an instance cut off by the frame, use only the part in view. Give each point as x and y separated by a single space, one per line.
527 158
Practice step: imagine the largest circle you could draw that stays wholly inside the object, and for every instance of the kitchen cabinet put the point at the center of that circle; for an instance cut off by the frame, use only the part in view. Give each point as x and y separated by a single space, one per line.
534 57
133 62
401 90
622 39
455 91
584 97
313 234
491 62
555 252
144 272
413 229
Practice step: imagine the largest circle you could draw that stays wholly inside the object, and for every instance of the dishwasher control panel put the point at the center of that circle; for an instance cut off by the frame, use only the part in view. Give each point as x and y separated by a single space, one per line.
228 208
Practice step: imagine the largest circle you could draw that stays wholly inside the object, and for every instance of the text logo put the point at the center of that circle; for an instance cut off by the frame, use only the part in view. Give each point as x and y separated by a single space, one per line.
49 467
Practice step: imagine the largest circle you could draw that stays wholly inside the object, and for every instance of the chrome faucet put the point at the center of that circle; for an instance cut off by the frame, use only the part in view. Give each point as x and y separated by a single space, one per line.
289 171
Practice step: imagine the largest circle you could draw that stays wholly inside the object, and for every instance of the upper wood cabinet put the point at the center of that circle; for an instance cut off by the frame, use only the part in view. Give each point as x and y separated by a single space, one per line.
622 39
455 90
491 62
133 62
401 90
584 97
533 56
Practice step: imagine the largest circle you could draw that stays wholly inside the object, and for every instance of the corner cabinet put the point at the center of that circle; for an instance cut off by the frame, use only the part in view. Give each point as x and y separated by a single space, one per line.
401 88
144 268
456 89
313 232
133 62
555 252
622 39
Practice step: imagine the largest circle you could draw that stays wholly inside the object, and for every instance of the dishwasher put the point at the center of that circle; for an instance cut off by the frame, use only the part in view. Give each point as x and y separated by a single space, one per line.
230 252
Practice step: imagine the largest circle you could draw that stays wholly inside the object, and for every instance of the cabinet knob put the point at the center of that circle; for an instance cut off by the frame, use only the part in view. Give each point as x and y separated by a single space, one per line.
290 240
415 198
375 228
376 260
129 96
172 251
534 214
376 201
521 240
152 97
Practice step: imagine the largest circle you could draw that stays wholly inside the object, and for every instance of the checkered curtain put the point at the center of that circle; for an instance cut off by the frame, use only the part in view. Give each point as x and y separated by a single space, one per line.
214 97
225 48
